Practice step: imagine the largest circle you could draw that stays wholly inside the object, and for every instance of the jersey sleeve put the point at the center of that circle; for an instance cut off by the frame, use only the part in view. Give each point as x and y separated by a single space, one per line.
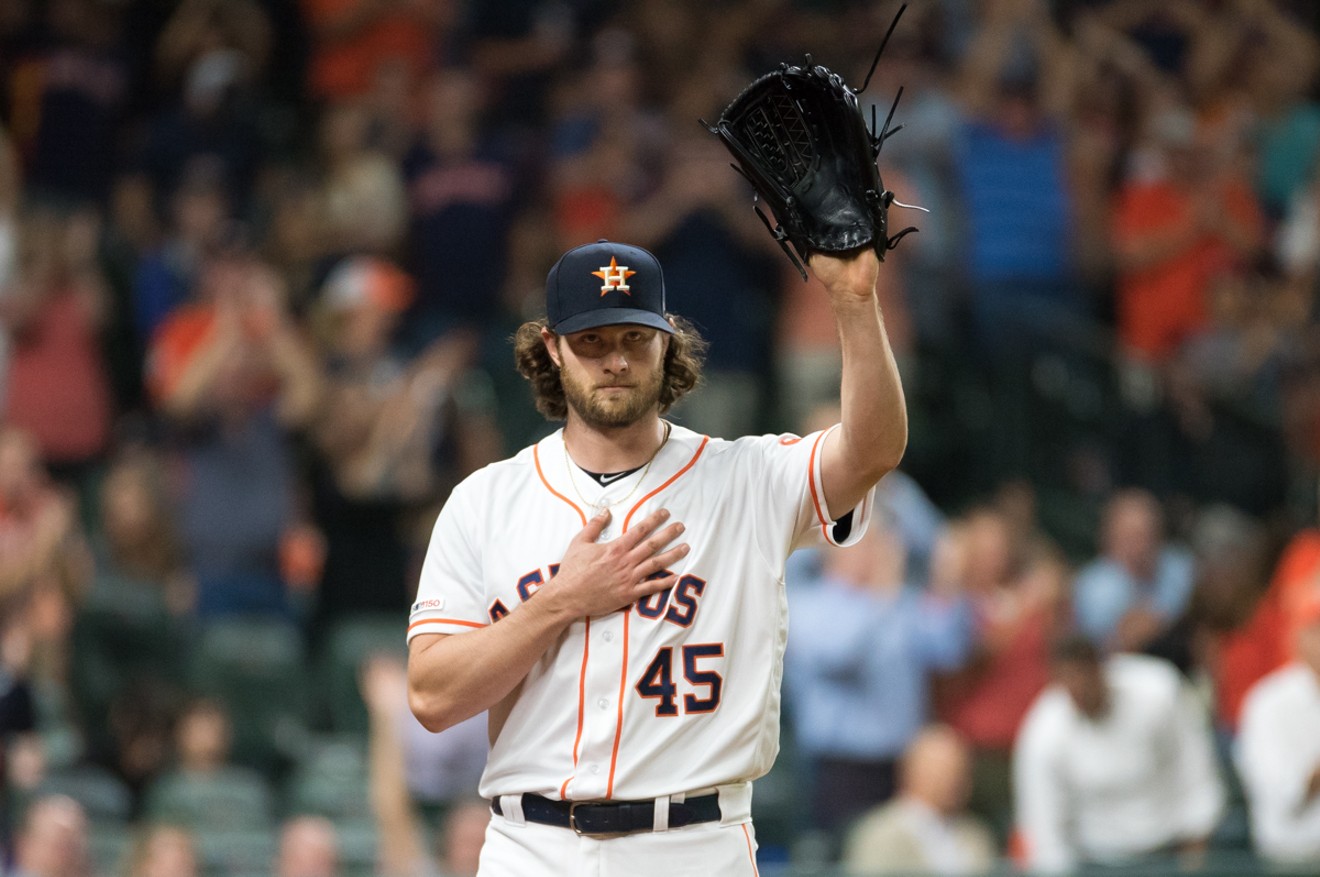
450 593
789 491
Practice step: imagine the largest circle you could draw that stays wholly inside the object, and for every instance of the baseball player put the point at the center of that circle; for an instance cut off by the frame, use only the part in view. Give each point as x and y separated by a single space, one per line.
614 594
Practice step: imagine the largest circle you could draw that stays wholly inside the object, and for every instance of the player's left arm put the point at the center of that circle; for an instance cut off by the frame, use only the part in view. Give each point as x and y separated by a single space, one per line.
873 432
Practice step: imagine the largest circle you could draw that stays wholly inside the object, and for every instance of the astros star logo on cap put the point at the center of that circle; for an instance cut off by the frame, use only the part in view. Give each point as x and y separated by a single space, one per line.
615 277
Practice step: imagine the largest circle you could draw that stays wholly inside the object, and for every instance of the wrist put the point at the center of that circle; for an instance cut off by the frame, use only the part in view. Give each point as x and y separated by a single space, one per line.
854 303
551 605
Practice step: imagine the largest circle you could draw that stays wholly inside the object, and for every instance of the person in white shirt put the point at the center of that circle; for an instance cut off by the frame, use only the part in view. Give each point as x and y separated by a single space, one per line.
926 829
1114 763
1278 755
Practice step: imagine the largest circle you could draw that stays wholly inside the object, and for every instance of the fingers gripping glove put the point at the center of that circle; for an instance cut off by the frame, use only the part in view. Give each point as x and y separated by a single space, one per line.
798 136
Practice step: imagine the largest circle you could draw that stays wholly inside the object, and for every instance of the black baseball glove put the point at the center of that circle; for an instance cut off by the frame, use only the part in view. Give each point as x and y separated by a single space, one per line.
799 138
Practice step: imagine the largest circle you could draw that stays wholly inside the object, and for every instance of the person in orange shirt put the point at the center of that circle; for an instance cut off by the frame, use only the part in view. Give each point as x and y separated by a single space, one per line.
356 42
1174 234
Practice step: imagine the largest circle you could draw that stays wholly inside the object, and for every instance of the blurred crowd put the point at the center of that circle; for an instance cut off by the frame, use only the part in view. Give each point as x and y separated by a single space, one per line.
259 262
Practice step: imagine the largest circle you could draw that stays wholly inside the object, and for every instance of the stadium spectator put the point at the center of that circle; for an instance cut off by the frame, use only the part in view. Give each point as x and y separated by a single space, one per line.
1010 165
1231 633
516 48
461 185
204 32
163 851
1174 233
309 847
1278 752
461 837
926 828
364 204
203 772
53 840
44 562
40 535
355 43
137 741
857 669
210 57
693 225
199 212
130 633
1286 116
137 544
57 378
295 243
234 376
1139 584
70 91
386 434
1114 765
1016 595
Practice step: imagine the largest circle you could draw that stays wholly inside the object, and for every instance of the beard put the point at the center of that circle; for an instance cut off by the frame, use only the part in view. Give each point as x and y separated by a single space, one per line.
612 410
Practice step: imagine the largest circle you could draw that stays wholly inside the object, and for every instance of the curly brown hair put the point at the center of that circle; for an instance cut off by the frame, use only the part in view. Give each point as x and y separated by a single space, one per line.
682 374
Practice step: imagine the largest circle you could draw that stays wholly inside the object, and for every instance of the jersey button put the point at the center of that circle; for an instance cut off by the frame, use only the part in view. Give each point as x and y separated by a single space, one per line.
608 636
595 768
603 703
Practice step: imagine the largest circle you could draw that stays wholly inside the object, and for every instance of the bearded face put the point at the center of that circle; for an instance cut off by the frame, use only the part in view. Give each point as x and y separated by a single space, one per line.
612 376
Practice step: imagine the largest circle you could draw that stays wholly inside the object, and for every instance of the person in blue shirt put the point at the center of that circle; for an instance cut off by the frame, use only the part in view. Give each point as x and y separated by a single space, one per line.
1139 584
862 647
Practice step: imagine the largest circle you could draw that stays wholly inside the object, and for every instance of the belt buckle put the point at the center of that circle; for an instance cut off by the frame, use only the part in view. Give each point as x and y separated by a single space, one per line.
579 831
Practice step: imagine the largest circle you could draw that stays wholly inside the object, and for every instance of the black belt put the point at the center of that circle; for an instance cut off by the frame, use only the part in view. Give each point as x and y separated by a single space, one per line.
613 818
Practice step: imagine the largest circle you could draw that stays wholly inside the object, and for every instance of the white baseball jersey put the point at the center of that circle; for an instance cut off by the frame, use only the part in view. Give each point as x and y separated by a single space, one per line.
681 690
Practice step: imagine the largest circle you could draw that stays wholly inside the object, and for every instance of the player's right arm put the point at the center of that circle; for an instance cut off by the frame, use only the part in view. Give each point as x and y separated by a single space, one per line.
454 677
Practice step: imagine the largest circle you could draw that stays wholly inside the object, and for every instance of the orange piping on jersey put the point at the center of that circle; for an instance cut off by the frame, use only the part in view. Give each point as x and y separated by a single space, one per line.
751 854
582 703
672 479
623 685
457 621
536 458
815 499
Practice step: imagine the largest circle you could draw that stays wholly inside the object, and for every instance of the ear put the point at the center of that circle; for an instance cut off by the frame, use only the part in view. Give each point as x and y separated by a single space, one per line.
551 342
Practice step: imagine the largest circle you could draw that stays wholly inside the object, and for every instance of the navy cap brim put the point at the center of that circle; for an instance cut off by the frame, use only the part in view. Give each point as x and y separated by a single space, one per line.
612 317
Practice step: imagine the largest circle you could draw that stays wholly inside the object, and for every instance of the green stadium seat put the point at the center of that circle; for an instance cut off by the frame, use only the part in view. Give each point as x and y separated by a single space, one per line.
233 851
347 645
330 779
102 795
256 667
357 845
231 799
109 845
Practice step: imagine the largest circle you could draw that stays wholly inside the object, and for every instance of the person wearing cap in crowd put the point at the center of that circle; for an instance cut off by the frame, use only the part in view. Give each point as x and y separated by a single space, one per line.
1114 764
614 594
381 434
1278 754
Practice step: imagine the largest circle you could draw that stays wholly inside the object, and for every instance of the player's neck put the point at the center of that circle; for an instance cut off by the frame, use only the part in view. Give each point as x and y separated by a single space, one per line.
615 449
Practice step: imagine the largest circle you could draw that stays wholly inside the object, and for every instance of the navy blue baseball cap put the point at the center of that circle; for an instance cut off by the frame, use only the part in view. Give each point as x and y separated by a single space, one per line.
605 284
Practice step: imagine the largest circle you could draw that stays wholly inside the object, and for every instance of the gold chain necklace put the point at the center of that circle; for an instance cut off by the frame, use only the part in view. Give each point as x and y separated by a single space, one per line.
601 505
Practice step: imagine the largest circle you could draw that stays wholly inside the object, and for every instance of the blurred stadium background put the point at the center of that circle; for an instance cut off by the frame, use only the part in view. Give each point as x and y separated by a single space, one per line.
260 259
